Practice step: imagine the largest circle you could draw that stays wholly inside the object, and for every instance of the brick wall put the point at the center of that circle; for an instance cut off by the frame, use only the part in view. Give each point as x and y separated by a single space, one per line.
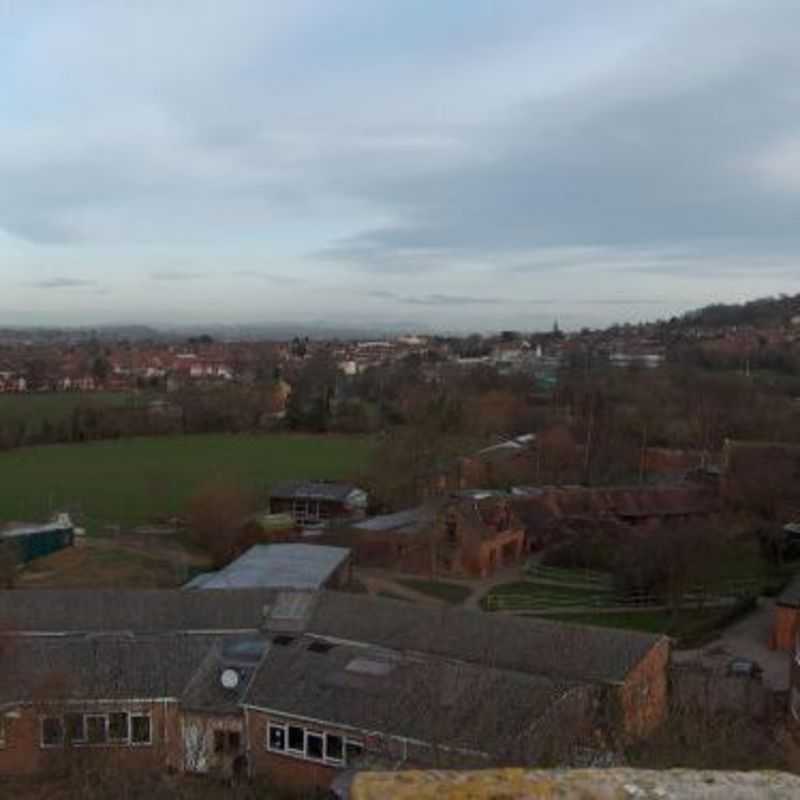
285 771
643 697
785 628
23 753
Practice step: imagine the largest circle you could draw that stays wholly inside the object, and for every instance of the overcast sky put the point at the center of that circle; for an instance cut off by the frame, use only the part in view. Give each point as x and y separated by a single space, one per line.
464 164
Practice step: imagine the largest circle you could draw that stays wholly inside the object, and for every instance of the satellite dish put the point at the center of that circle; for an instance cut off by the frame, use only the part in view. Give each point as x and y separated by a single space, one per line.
229 679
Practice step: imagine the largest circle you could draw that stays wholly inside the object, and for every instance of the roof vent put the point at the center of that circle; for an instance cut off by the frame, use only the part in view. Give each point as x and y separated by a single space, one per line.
229 679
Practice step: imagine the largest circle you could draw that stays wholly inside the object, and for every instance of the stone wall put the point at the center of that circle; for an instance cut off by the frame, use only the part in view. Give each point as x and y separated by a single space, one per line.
612 784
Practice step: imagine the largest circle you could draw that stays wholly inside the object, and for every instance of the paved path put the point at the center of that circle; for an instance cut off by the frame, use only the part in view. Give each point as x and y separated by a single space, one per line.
379 580
747 638
377 584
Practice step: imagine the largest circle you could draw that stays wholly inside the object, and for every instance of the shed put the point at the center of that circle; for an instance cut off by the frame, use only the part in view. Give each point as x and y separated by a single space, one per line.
315 502
36 541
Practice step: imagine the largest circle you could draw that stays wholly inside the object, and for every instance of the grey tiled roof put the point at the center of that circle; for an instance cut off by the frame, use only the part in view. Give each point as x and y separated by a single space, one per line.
132 610
425 699
98 668
205 691
572 652
312 490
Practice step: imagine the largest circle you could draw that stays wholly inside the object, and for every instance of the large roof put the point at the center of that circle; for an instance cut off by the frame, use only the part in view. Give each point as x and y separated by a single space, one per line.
408 522
541 647
132 610
277 566
420 698
99 667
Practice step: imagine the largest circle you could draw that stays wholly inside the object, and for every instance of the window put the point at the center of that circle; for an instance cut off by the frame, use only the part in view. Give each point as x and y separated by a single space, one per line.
75 728
140 729
276 738
353 750
52 732
219 741
118 727
297 739
334 747
314 745
96 729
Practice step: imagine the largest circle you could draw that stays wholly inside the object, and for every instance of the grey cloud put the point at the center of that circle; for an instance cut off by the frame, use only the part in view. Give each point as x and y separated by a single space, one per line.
61 283
613 166
269 277
435 299
177 275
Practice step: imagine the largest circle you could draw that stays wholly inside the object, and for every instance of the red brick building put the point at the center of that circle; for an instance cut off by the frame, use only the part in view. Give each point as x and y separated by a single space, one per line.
306 685
458 536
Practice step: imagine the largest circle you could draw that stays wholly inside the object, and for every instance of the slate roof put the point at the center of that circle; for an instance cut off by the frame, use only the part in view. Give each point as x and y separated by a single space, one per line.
312 490
556 649
98 668
143 611
425 699
407 522
205 691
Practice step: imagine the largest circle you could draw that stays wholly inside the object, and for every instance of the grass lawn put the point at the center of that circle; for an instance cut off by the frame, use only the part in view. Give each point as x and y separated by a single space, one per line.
132 481
452 593
690 627
532 594
56 407
120 562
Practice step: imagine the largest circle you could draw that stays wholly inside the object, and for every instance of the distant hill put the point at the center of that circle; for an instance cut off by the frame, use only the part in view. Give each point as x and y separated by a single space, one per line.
766 312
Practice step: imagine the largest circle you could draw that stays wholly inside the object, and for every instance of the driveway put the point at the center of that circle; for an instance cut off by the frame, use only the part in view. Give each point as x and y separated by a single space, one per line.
747 638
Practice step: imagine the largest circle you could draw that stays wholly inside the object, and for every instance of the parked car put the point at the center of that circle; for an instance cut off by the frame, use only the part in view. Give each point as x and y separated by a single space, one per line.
744 668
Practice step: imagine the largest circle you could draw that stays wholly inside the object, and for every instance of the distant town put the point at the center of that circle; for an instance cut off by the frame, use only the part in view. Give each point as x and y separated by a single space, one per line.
345 543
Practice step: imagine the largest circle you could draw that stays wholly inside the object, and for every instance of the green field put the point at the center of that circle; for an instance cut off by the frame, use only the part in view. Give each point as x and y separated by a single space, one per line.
133 481
34 409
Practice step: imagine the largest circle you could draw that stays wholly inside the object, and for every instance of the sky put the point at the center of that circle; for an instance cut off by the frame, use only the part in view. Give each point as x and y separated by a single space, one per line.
454 165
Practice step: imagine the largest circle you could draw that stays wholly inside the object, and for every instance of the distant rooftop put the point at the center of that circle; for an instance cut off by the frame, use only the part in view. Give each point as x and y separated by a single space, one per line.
276 566
313 490
401 522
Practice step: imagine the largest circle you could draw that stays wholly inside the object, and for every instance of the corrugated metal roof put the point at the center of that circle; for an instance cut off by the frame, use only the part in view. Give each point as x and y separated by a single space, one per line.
30 530
276 566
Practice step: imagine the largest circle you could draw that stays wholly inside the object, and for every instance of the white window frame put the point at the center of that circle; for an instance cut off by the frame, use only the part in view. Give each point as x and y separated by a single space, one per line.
332 759
137 715
105 740
274 726
127 737
289 748
317 734
83 740
303 754
46 745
